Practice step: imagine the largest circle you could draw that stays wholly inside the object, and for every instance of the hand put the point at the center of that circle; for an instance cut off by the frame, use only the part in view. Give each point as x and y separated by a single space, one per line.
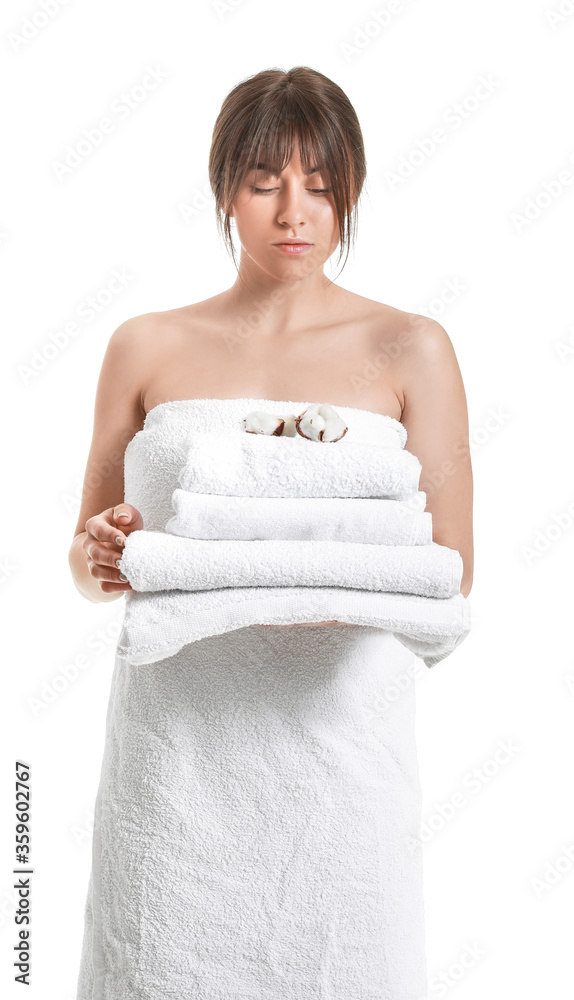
105 537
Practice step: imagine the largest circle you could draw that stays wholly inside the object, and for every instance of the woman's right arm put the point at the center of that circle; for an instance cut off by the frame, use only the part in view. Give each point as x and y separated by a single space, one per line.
118 415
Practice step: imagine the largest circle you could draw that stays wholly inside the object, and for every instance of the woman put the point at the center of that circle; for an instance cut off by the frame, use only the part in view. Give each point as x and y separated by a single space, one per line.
287 165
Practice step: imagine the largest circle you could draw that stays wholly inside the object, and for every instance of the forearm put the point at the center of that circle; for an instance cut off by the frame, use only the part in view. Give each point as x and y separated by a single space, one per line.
86 584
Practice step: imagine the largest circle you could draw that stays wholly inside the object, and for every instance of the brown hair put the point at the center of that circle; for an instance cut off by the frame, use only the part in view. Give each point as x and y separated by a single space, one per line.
259 121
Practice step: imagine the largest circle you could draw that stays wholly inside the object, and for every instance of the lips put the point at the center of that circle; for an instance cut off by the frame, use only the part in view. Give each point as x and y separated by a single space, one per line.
293 248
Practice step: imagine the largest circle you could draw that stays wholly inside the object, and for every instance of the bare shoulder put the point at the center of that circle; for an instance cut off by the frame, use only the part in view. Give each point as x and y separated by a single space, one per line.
429 375
411 340
419 341
141 340
415 332
429 350
144 329
409 331
420 359
133 335
427 334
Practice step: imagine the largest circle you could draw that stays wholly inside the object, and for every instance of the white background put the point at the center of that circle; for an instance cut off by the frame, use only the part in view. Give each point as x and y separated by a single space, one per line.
498 877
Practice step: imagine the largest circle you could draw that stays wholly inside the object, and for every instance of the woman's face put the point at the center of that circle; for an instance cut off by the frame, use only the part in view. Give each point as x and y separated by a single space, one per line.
270 208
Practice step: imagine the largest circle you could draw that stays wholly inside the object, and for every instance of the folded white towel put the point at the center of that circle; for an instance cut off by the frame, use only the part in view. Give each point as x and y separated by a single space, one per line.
343 519
265 466
157 625
156 622
153 560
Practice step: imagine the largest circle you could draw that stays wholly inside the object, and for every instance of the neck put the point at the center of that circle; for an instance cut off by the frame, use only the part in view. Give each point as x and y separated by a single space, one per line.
280 306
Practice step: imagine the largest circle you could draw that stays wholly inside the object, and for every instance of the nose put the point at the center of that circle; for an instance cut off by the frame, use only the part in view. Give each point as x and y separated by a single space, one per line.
290 210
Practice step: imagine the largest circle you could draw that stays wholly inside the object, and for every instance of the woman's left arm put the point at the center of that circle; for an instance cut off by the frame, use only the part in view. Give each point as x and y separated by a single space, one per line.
435 416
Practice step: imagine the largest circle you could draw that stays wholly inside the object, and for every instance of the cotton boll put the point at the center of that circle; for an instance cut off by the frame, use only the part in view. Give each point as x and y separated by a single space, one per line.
311 424
335 429
326 410
290 428
258 422
321 422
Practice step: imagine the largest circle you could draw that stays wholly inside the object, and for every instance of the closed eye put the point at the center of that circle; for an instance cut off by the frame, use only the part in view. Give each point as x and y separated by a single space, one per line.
270 190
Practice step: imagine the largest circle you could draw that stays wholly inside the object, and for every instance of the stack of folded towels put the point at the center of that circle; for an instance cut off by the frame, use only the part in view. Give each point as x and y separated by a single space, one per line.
293 529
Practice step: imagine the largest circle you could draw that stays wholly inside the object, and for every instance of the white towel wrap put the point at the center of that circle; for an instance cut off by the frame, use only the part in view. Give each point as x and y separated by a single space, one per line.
257 823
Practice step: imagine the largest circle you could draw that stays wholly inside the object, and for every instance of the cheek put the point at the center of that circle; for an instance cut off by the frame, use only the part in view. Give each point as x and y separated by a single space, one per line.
325 213
326 220
250 212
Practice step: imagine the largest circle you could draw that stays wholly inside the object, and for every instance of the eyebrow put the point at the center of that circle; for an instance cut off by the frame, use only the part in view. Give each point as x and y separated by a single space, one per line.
271 171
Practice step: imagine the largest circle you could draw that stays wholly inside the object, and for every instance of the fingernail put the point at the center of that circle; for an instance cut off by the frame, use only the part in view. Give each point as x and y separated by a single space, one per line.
119 540
122 577
124 513
118 563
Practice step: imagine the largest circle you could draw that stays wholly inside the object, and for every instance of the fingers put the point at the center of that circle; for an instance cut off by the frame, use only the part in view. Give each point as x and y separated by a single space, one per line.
104 545
102 550
124 520
109 588
111 528
103 566
102 528
115 524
